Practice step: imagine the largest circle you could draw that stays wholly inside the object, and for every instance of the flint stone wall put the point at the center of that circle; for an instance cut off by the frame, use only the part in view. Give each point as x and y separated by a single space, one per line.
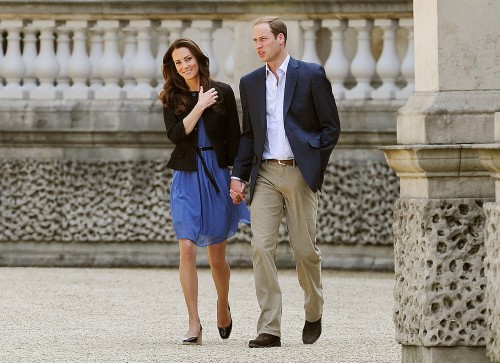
128 201
440 286
492 245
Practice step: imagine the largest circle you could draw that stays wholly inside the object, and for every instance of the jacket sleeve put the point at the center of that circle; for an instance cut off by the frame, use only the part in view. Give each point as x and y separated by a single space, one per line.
232 126
328 117
243 162
174 125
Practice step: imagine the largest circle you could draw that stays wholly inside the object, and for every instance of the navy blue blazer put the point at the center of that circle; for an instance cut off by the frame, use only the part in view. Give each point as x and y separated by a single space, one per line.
311 119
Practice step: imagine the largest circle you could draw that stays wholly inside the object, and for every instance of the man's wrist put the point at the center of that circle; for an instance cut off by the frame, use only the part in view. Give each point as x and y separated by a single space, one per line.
236 178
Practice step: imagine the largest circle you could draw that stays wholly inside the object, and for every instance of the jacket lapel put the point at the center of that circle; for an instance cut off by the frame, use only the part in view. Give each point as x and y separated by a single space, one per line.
292 74
261 94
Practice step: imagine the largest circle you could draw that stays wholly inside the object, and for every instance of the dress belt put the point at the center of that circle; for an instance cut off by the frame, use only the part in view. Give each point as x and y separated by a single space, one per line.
283 162
204 148
205 168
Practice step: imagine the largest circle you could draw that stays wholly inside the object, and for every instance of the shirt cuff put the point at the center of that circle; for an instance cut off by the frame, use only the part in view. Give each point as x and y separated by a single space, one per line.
236 178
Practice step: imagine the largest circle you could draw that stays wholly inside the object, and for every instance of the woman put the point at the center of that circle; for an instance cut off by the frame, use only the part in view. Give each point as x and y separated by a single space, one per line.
201 119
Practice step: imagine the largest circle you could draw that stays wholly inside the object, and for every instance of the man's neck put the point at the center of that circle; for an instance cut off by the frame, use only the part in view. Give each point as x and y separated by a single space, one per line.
274 65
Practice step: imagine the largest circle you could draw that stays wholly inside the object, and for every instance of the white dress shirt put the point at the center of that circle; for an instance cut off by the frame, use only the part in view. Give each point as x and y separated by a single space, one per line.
276 145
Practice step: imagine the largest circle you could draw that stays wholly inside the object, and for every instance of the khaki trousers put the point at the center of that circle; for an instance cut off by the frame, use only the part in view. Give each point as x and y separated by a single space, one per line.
281 189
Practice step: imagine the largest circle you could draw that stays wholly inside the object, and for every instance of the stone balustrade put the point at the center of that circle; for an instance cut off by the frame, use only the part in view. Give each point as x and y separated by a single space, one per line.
364 58
83 145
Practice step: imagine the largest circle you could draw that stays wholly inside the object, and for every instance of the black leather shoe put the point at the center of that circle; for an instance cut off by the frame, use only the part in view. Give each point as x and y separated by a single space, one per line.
193 340
311 331
265 341
226 332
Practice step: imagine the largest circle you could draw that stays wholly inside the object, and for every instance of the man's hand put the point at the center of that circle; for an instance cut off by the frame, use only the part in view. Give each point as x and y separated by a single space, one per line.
237 191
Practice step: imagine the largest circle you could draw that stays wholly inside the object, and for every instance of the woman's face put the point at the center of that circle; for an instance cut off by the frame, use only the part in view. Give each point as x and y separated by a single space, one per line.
186 64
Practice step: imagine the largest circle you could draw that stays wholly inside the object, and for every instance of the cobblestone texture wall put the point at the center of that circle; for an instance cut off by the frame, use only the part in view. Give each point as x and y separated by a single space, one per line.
128 201
492 243
439 269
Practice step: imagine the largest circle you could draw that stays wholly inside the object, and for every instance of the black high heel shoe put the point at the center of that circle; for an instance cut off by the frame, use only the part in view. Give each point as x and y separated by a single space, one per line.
193 340
226 332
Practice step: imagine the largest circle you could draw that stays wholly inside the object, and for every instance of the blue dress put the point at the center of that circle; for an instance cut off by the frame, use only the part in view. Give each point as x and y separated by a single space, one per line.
199 212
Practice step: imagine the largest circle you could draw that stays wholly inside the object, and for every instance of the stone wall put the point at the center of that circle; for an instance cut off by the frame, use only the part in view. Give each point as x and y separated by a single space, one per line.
68 202
491 241
440 276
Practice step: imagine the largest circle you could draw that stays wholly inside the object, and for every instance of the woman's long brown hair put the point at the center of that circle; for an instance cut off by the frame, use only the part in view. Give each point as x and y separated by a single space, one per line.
175 92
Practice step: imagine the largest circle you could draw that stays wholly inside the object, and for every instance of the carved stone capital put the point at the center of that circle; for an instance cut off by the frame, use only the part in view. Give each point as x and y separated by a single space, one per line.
439 171
489 155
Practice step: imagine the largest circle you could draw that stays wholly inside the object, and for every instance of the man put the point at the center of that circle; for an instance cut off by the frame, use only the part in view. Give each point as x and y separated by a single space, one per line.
290 127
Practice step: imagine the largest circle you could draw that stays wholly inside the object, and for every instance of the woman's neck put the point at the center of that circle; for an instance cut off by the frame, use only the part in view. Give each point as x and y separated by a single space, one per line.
193 85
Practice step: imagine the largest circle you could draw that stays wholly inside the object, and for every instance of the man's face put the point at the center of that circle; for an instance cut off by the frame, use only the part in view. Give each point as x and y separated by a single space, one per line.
268 46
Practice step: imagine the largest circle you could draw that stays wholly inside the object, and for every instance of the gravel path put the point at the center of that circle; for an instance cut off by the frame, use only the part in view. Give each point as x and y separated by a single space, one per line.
138 315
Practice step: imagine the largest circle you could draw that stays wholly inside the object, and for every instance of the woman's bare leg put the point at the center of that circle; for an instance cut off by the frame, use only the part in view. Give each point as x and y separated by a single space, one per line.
221 275
189 282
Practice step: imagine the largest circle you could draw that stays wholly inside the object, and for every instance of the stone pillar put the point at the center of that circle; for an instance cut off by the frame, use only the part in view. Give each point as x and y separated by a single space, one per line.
490 157
439 220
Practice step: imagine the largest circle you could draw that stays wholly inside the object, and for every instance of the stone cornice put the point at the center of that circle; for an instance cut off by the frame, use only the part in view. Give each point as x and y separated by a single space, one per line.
439 171
434 160
139 123
489 155
195 9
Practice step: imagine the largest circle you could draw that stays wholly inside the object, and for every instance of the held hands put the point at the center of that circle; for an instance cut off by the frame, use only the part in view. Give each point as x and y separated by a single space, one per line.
208 98
237 191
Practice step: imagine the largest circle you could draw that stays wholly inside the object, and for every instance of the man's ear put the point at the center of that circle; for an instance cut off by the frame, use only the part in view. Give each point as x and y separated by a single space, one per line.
281 37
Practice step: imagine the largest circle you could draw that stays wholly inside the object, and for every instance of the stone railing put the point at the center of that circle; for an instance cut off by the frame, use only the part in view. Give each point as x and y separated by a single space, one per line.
118 56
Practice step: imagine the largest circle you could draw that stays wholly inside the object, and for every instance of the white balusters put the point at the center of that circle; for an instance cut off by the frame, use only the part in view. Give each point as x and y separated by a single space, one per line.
309 53
363 64
1 54
29 57
46 63
169 31
229 64
12 63
144 66
96 50
111 65
408 64
206 28
175 28
388 64
62 55
129 51
79 67
163 45
337 65
85 65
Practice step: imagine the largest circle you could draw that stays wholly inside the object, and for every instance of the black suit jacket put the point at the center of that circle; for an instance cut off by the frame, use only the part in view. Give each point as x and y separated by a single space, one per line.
311 121
222 127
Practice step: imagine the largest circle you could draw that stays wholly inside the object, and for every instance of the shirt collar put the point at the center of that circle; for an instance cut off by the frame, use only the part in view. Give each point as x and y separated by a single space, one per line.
283 65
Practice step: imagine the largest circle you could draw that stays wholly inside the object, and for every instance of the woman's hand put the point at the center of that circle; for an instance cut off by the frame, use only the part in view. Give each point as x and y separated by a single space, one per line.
207 99
237 191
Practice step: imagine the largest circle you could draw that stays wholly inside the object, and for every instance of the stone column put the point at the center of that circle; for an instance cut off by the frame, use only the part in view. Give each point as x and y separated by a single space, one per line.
490 157
439 221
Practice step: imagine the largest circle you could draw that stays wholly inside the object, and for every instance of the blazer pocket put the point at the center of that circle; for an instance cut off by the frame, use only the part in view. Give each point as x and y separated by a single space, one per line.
315 143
